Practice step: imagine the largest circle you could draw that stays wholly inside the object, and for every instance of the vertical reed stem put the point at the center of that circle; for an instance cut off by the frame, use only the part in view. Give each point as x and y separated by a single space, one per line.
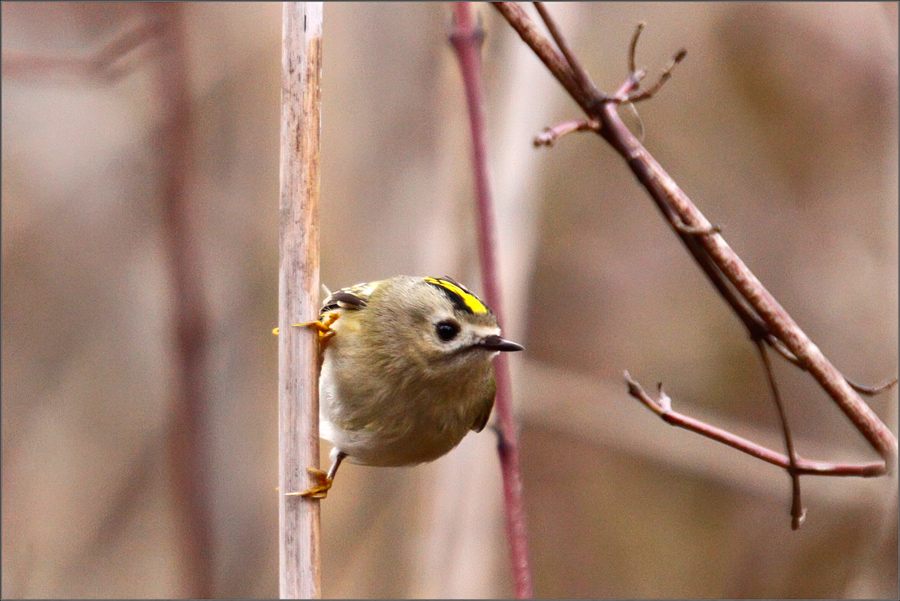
298 294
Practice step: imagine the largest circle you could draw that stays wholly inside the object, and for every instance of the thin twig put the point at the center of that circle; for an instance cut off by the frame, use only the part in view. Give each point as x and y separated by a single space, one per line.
298 294
582 78
553 60
798 514
860 388
663 78
873 390
550 135
632 48
466 40
804 467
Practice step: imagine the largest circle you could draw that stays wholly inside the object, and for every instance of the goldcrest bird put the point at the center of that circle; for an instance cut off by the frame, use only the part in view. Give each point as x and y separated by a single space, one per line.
406 371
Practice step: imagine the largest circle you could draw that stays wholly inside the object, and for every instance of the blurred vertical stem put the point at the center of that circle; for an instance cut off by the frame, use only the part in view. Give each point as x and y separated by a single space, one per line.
467 39
298 294
187 453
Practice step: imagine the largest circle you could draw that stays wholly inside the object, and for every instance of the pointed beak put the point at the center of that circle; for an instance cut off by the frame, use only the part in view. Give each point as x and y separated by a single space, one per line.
495 343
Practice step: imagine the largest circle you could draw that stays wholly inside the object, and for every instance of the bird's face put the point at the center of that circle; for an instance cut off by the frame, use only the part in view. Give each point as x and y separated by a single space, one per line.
445 324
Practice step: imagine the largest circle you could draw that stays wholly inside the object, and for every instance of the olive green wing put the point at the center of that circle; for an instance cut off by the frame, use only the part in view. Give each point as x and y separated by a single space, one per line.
487 405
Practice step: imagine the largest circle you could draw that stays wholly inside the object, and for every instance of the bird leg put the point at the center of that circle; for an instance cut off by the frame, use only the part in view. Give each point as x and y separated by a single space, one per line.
323 480
322 326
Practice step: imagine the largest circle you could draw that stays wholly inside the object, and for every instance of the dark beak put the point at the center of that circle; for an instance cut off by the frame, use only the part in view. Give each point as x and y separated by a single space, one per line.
495 343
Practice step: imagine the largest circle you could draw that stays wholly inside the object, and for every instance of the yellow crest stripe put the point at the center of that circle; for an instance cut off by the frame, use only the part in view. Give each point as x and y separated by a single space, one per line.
471 301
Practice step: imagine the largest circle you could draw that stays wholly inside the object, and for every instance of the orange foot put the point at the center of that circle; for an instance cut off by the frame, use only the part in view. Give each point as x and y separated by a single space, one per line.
320 490
323 327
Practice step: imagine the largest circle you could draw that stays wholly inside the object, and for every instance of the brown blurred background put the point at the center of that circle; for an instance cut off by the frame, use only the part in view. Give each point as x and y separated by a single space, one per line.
781 125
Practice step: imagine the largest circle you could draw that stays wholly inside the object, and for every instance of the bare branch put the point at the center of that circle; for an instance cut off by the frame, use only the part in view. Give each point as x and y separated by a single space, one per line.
760 312
777 321
663 408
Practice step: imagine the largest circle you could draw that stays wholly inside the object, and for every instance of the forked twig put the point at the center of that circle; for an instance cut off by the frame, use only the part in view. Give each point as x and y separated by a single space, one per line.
581 76
763 317
798 514
638 75
663 78
543 48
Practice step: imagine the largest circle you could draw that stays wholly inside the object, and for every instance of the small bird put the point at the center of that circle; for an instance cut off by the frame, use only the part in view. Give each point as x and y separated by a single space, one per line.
406 371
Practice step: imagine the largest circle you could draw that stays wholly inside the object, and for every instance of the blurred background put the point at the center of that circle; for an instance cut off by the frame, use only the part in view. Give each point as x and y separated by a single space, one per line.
140 191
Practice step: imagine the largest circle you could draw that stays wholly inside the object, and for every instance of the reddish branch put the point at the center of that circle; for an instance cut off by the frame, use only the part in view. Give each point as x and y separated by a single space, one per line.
162 26
467 39
765 319
663 408
187 453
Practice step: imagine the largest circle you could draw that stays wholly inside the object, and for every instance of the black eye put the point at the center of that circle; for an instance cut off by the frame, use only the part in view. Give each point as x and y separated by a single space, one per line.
447 330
